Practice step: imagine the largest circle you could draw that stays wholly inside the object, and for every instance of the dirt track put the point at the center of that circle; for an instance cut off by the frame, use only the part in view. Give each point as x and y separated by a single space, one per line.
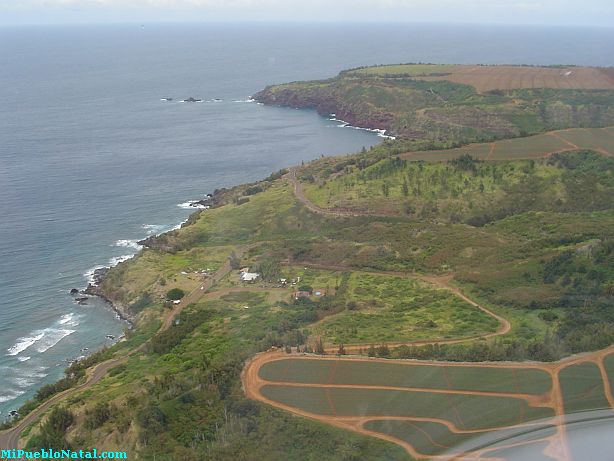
440 281
9 439
557 444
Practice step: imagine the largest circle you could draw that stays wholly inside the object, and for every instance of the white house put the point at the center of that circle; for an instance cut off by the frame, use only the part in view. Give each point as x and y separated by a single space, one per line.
249 276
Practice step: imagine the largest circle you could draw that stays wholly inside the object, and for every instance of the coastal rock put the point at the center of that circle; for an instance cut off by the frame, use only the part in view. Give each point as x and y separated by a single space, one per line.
329 102
74 291
191 99
82 300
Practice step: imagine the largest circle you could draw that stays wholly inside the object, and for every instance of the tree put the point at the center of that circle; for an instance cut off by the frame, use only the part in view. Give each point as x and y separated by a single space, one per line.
175 294
341 350
371 352
383 350
319 346
234 260
405 188
386 189
269 269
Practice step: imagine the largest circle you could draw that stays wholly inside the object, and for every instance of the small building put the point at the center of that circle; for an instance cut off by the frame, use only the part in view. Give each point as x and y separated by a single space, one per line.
177 301
283 281
249 276
301 294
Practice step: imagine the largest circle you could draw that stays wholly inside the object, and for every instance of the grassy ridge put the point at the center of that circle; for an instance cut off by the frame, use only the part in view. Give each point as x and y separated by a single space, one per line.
395 98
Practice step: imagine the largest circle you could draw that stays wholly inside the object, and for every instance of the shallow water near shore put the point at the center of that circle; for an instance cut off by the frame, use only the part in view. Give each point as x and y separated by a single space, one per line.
93 157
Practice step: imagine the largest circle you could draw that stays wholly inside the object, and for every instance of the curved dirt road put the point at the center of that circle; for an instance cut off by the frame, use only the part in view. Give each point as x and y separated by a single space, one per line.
557 443
440 281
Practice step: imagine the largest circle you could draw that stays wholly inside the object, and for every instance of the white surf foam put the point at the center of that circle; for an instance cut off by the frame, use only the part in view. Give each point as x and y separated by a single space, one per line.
24 359
10 394
114 261
89 274
153 228
23 343
51 337
128 244
344 124
191 205
66 318
178 226
71 320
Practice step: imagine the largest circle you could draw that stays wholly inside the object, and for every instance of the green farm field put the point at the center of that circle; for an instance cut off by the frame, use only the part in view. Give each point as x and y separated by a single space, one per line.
464 411
582 388
384 308
537 146
394 374
432 438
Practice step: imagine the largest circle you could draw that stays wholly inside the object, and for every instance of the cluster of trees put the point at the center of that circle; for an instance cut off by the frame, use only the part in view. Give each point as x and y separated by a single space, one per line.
52 431
175 294
183 324
547 349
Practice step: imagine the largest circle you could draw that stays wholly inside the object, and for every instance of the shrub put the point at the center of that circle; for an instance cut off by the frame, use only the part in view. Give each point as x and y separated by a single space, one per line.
175 294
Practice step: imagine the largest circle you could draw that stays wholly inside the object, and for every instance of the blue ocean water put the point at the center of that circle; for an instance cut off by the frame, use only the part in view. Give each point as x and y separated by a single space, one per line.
92 160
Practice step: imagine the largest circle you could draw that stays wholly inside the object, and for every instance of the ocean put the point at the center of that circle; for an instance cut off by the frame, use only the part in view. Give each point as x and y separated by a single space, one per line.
92 158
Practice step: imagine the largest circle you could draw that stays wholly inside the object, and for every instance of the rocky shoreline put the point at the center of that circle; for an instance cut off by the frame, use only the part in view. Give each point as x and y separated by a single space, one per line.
93 289
326 104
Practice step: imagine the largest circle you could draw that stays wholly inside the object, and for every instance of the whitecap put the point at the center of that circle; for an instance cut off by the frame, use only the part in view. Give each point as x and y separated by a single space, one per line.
114 261
344 124
178 226
191 205
153 228
23 343
128 244
24 359
89 274
66 318
10 394
51 337
71 320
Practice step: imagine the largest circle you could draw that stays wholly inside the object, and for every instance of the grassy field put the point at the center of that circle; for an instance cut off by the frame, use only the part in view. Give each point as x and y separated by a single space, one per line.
412 70
463 410
367 373
384 308
488 78
537 146
582 388
430 438
453 105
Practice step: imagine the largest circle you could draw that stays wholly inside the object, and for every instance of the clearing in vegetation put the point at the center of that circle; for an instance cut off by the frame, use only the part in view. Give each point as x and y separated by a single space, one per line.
383 308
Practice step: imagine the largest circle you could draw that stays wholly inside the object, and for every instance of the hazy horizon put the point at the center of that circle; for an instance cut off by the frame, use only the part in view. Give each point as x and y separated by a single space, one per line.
595 13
